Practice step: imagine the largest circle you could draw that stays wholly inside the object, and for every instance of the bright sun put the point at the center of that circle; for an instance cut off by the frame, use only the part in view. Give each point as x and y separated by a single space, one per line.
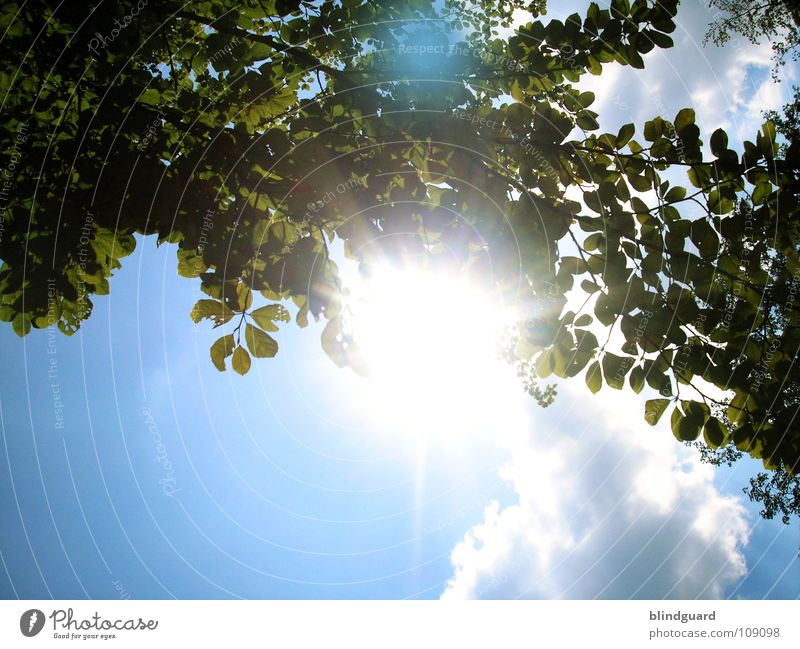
430 341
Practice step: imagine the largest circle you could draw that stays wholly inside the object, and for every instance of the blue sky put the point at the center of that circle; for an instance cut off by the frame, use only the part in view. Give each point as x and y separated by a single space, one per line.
170 479
272 489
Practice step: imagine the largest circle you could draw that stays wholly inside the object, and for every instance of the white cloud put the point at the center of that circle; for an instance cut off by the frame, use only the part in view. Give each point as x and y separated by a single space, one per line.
607 507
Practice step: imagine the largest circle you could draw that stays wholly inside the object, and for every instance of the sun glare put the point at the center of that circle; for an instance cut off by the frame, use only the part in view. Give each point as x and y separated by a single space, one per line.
430 341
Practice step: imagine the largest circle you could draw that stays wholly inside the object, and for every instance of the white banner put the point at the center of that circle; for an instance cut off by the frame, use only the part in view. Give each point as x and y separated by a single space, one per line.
399 624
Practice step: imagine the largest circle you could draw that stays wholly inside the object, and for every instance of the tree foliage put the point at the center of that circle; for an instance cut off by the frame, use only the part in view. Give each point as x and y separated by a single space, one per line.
777 20
778 492
251 135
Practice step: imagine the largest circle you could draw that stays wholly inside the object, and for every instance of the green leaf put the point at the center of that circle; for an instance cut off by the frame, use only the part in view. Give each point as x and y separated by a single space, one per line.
583 320
544 363
737 408
592 241
113 244
653 409
589 286
212 309
594 378
260 344
653 129
586 99
690 135
625 134
302 315
244 296
561 360
633 57
640 183
719 142
241 360
587 122
151 97
636 379
266 316
517 92
190 264
220 350
705 238
696 410
661 147
639 206
659 39
686 428
762 192
675 194
615 368
683 119
714 433
21 324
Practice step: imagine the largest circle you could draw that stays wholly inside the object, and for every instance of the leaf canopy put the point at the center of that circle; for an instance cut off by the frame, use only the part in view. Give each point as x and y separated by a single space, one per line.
251 135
